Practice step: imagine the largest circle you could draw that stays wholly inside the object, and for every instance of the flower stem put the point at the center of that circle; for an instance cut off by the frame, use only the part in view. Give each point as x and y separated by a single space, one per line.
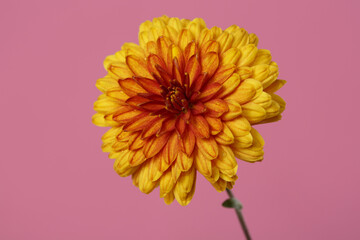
240 217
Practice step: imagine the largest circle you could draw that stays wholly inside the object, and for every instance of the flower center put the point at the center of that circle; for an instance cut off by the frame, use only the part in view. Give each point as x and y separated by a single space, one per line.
175 97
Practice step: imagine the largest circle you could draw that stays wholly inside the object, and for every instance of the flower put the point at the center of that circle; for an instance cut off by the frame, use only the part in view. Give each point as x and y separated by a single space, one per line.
184 101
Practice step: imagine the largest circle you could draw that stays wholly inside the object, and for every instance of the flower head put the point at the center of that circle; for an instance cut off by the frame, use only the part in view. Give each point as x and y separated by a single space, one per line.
184 101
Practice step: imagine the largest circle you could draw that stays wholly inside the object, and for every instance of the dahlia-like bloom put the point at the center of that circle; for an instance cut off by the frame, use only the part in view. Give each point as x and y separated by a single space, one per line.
184 101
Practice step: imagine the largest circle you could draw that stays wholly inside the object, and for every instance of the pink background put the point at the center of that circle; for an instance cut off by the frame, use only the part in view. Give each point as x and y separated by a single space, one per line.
56 183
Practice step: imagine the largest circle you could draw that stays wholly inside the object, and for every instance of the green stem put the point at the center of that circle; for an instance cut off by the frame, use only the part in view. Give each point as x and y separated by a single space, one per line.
240 217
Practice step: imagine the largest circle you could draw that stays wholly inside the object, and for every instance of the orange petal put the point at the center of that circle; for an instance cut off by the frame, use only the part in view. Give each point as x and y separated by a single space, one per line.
137 158
165 78
177 71
130 87
215 124
199 126
234 110
151 48
188 141
184 161
149 85
200 81
137 143
171 149
210 46
153 128
153 61
190 50
198 108
155 145
223 73
163 44
180 125
210 63
138 66
136 101
167 126
124 117
216 107
209 91
208 147
175 52
139 123
152 106
193 68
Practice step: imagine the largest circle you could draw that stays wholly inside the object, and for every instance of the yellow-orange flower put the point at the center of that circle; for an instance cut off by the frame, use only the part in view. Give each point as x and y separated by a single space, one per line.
184 101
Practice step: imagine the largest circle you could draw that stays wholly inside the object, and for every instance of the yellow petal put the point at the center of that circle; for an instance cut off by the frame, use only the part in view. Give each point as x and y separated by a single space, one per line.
276 85
136 157
253 112
226 159
185 188
154 168
208 147
253 153
219 185
234 110
146 185
133 49
244 72
99 120
118 94
248 90
107 105
202 164
273 110
266 74
241 37
169 198
248 54
230 85
243 141
204 37
184 38
239 126
225 137
106 83
225 41
263 57
264 100
138 66
231 56
122 166
216 31
253 39
166 183
186 181
280 101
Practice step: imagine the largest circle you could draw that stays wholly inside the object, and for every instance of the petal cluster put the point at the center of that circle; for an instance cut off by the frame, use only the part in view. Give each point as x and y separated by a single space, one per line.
184 101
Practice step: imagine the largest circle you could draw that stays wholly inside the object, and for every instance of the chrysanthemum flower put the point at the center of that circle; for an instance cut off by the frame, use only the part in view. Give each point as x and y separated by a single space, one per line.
184 101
